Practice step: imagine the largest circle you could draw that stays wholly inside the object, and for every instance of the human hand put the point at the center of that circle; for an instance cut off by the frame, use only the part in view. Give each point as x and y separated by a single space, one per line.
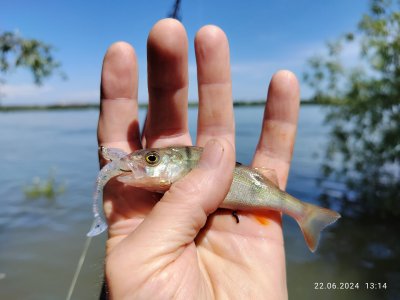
179 246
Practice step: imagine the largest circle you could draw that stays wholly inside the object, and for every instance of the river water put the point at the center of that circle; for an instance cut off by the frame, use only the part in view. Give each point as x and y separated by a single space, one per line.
41 239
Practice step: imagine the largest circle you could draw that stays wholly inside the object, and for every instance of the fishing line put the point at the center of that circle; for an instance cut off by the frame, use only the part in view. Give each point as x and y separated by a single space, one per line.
79 266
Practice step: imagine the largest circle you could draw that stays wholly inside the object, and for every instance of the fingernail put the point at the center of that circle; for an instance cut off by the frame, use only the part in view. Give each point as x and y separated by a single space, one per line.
212 155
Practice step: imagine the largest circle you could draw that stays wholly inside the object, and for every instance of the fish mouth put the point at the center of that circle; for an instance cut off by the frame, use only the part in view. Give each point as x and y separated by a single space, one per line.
127 178
136 173
153 184
133 175
137 170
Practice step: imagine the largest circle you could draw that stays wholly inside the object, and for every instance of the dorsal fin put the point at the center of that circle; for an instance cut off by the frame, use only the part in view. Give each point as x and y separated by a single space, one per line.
269 174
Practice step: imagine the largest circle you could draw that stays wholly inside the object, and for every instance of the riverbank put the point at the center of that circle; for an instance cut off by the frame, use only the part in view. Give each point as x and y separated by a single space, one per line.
84 106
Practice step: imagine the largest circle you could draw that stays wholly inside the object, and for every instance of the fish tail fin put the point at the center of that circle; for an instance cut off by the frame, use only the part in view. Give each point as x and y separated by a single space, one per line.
313 221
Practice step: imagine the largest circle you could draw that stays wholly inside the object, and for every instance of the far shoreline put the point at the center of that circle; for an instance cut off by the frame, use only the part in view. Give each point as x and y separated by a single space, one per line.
84 106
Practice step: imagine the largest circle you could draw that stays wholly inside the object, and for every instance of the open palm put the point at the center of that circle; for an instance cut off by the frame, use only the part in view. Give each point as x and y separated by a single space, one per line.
181 246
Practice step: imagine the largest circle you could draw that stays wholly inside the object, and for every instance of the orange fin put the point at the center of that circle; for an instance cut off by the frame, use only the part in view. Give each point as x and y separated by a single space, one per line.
261 219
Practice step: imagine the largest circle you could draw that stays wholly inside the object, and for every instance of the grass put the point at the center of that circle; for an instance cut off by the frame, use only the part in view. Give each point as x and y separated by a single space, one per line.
44 188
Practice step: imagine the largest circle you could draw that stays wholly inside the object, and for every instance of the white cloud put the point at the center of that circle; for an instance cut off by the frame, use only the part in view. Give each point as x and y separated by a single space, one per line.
250 77
46 94
79 96
18 91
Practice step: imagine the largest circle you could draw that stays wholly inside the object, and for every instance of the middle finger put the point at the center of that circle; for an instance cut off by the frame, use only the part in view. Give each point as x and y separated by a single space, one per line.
167 54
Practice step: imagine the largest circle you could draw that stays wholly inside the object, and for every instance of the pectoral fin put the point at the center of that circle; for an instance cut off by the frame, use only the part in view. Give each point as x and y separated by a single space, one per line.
263 220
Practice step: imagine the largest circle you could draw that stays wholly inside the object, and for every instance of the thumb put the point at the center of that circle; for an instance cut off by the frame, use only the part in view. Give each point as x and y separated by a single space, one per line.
176 219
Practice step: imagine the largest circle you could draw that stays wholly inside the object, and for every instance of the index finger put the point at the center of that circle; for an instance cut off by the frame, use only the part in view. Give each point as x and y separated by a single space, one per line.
118 125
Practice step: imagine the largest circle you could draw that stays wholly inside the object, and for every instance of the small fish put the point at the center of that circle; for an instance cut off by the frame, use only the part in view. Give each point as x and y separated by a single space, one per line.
156 169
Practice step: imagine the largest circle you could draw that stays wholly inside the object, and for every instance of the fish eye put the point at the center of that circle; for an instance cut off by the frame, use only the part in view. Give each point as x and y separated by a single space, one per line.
152 158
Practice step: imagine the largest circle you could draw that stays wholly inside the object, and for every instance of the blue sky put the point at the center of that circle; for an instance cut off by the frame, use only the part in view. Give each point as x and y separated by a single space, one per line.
264 36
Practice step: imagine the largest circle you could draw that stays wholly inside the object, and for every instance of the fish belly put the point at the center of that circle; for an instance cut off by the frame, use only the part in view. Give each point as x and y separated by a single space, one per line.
250 190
